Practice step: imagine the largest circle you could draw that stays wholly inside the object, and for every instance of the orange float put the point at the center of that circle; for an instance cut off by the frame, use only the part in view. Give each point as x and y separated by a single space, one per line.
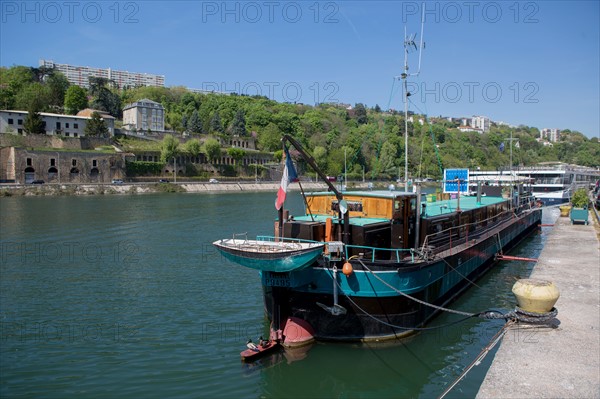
347 269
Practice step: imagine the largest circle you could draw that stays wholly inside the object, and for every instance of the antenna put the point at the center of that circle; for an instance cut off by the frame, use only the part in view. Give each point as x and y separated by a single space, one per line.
409 41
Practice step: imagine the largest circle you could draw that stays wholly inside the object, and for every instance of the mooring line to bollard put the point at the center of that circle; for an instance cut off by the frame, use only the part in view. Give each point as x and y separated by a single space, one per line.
493 342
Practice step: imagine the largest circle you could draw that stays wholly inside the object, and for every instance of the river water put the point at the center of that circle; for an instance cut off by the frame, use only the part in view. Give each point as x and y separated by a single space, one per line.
114 296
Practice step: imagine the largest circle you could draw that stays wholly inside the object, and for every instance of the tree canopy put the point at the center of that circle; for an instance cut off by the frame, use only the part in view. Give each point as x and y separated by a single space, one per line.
96 126
169 148
75 100
373 138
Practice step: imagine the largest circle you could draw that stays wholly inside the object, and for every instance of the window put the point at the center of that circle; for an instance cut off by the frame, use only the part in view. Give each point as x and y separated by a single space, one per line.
75 135
75 125
20 130
52 162
10 121
19 121
94 163
28 161
57 125
66 125
74 162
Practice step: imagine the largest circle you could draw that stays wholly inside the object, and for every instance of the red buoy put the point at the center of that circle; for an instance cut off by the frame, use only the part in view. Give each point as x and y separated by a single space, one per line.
347 269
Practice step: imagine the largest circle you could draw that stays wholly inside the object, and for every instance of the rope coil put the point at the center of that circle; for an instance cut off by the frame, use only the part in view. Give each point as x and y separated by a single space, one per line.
520 315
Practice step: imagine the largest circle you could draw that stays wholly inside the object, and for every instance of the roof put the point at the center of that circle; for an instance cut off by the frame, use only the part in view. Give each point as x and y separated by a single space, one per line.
89 111
104 116
372 194
438 208
143 102
353 221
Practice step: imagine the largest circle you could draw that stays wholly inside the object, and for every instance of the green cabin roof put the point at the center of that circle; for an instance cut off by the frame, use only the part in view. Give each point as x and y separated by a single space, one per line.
466 203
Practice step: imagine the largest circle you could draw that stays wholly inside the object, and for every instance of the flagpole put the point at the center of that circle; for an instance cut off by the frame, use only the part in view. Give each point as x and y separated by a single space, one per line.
305 201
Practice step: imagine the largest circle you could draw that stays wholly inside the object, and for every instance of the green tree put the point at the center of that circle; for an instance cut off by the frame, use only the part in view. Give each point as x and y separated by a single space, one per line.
169 148
33 122
107 101
215 123
12 81
212 148
238 127
58 85
237 154
103 98
360 113
194 147
269 138
194 124
33 96
320 156
184 122
75 99
96 126
278 156
387 158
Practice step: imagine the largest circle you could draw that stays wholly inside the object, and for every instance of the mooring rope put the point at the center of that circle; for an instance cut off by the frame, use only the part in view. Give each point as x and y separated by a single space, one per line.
397 326
416 299
493 342
517 314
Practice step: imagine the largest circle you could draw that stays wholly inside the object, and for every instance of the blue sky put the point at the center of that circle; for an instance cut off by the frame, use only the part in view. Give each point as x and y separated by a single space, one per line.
531 62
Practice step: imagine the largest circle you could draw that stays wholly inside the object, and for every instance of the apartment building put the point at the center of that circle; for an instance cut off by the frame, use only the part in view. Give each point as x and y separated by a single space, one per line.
79 75
144 115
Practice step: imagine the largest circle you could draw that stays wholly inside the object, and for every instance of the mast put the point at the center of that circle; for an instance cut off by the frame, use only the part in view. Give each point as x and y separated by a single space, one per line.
409 41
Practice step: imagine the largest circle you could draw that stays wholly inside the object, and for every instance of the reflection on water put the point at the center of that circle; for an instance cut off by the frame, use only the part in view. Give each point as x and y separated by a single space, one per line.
125 295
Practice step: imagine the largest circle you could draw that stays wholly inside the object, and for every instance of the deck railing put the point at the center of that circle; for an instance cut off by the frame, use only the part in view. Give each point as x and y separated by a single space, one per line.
457 235
374 250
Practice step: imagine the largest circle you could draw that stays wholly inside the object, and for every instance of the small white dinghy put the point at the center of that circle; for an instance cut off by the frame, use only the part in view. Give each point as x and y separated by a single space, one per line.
273 256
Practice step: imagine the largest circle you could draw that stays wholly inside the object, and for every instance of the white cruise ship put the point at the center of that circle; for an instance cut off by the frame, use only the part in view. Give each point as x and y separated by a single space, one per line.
551 182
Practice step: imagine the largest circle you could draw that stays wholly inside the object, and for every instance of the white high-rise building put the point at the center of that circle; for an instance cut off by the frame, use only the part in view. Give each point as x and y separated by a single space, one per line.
552 135
481 122
79 75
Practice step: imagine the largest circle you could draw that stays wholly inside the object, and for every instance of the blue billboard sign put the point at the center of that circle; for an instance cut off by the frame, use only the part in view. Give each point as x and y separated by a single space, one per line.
452 178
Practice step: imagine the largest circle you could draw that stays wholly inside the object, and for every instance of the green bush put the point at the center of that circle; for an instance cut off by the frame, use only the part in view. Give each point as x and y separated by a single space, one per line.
144 168
580 198
169 188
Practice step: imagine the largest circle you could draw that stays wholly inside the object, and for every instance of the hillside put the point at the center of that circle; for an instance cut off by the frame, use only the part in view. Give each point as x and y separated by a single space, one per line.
373 140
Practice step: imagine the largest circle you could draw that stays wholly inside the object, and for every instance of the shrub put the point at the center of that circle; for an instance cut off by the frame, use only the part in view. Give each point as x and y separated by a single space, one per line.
141 168
580 198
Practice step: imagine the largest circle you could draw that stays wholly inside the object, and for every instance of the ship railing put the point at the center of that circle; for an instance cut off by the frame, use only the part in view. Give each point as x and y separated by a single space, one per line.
458 235
287 239
245 235
373 251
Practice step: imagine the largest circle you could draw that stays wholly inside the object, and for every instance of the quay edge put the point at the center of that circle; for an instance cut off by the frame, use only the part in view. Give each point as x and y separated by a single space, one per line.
534 362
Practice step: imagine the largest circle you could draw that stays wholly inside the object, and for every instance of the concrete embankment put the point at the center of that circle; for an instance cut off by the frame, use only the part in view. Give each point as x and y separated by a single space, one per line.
146 188
207 187
561 362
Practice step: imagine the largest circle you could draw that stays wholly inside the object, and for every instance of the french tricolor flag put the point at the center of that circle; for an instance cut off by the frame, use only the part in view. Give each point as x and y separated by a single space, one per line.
289 176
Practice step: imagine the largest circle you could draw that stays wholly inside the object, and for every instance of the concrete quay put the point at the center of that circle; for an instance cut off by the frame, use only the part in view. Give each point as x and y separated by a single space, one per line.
561 362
